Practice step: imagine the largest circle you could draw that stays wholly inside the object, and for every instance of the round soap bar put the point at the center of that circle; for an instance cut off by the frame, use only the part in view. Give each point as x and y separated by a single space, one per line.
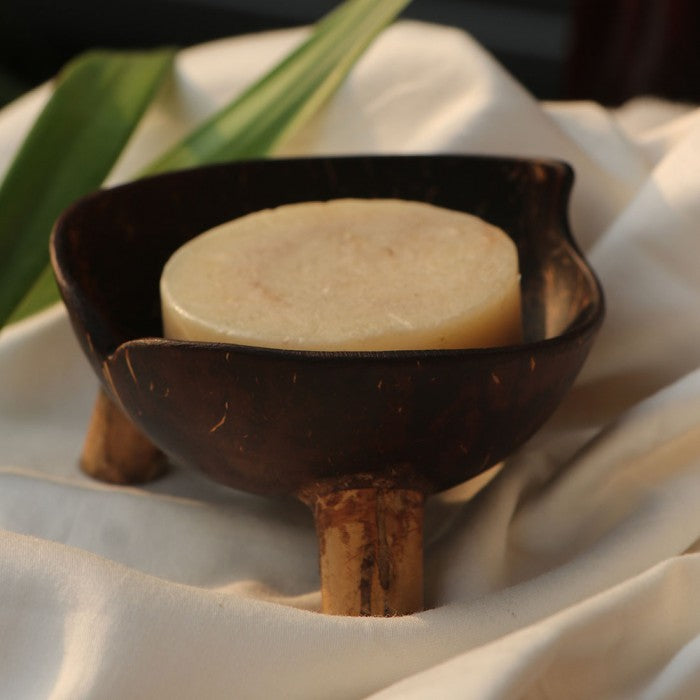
348 274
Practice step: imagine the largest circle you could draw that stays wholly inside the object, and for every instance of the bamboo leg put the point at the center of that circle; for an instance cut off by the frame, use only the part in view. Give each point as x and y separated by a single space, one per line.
371 551
115 450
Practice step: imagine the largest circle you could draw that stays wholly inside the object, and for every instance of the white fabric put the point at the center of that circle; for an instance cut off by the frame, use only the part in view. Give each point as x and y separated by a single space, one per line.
572 572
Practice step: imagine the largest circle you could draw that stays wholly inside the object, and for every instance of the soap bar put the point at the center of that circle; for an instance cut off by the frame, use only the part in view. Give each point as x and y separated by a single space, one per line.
347 274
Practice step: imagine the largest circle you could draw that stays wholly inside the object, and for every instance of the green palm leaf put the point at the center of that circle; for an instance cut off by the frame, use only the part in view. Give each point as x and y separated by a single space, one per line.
99 99
277 105
46 176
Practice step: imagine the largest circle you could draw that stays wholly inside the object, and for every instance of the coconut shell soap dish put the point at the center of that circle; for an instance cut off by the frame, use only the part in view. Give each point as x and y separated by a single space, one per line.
362 437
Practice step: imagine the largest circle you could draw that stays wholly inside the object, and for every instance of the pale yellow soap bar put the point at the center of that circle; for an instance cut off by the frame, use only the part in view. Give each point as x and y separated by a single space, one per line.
349 274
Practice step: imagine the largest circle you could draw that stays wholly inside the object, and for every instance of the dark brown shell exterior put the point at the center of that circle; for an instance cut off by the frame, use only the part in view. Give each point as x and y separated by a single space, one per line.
275 421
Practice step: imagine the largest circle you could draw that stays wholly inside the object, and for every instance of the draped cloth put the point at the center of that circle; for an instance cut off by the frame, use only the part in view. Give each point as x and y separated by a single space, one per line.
572 570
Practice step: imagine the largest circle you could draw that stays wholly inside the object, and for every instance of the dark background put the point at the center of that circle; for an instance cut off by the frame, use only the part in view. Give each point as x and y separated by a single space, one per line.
607 50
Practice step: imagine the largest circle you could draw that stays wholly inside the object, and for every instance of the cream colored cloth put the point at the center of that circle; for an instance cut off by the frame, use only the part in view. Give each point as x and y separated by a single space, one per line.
572 572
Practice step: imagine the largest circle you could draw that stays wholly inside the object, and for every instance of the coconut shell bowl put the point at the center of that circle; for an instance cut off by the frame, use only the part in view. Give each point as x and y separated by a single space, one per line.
361 437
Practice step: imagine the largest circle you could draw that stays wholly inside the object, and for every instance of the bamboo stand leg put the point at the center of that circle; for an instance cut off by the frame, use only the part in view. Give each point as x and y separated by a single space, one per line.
371 550
115 450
